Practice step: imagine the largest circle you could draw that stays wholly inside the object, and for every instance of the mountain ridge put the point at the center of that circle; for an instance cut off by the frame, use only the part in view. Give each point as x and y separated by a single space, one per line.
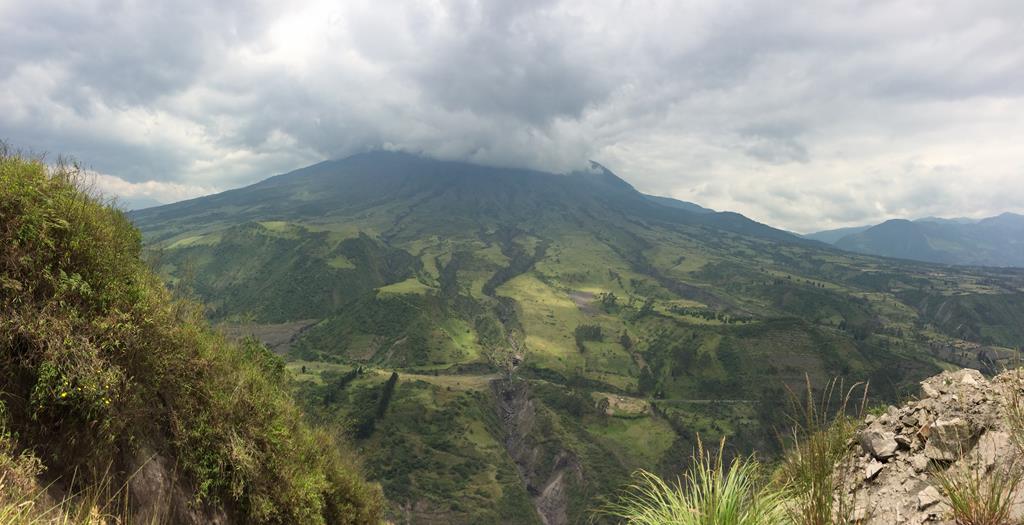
992 241
576 292
831 236
325 172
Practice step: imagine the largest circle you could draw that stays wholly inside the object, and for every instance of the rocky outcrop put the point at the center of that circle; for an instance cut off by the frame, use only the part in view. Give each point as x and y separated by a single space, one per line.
160 494
959 423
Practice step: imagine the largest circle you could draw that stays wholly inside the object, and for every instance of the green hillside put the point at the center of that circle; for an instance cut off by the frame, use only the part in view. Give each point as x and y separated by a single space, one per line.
995 241
639 324
119 404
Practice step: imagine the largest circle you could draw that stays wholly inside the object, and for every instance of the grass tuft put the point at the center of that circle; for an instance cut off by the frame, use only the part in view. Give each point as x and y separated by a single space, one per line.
977 497
819 443
1014 397
709 494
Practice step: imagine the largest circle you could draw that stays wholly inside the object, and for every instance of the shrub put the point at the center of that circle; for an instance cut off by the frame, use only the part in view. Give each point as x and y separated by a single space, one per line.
98 361
386 392
587 332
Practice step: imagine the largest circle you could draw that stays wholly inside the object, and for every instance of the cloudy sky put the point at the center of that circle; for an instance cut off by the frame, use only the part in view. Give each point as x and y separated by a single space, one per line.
804 115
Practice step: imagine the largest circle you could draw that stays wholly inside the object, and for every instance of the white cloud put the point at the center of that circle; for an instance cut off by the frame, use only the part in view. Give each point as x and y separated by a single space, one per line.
158 191
804 116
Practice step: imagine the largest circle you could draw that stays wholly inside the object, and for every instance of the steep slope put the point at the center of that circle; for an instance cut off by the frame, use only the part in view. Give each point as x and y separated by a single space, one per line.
895 238
674 203
635 325
996 241
119 403
449 197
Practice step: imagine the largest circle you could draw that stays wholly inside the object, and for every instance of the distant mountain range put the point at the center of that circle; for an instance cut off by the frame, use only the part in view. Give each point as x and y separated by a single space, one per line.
831 236
995 241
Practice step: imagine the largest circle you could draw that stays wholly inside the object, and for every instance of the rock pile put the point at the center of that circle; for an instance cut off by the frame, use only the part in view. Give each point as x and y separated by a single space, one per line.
960 422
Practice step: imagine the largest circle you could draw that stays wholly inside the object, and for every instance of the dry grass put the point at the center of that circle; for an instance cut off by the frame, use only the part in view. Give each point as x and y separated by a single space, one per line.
977 497
23 501
817 450
1014 396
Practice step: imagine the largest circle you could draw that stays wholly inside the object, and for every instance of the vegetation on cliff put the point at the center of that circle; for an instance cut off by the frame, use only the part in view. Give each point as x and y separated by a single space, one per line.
106 379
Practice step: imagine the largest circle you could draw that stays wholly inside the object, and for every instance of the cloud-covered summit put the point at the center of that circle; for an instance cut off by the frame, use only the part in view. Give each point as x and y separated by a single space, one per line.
804 116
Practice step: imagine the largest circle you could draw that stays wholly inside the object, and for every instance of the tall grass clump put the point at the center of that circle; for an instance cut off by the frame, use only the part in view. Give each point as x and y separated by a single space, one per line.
19 493
1014 397
818 446
100 365
710 493
979 497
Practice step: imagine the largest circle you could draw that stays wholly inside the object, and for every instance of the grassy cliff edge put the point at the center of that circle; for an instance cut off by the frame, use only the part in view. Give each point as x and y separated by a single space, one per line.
113 391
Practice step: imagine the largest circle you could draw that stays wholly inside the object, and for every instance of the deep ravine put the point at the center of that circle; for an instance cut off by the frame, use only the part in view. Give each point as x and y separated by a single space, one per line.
545 471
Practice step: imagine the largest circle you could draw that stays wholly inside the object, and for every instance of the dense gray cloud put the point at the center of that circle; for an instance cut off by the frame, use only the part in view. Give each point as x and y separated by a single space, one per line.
802 115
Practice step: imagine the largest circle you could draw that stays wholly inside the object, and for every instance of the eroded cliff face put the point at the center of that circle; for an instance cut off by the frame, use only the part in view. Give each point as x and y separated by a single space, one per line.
546 467
960 426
